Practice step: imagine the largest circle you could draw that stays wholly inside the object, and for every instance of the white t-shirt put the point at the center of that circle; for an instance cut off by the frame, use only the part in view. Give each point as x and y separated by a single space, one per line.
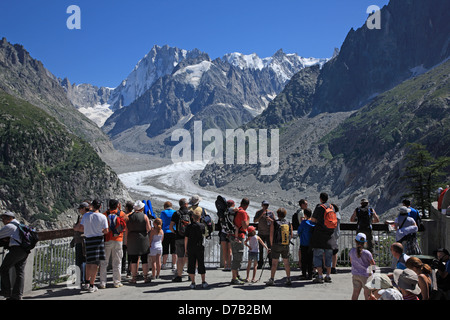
94 223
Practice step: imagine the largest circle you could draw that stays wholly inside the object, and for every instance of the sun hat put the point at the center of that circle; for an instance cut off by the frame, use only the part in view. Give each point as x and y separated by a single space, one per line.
138 205
194 200
361 237
9 214
378 281
407 280
404 210
230 203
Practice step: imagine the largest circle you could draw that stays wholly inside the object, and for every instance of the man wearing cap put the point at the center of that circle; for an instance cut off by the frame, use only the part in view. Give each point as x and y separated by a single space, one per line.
94 225
365 216
16 257
80 246
264 218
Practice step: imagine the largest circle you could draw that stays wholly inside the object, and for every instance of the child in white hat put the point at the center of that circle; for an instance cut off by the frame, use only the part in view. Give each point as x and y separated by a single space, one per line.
361 259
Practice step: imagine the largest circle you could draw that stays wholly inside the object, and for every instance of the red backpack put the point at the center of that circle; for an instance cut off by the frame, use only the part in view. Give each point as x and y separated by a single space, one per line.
329 217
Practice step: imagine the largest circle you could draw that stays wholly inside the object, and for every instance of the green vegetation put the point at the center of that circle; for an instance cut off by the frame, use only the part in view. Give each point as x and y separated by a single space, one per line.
44 170
414 111
424 174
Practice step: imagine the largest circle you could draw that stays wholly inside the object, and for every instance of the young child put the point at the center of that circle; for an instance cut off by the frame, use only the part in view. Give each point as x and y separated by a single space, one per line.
253 251
193 243
304 233
156 238
361 259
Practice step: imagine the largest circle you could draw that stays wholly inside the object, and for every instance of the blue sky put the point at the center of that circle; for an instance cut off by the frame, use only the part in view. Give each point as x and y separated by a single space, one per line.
116 34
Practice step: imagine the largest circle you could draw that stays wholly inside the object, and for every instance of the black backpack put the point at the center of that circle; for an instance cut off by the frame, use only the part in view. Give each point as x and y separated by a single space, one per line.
28 236
364 216
226 215
183 221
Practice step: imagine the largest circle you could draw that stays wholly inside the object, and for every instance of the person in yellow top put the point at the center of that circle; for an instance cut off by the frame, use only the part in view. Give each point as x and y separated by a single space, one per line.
113 246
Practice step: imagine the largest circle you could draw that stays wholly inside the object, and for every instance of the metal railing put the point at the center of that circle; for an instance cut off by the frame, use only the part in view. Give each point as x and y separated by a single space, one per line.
53 258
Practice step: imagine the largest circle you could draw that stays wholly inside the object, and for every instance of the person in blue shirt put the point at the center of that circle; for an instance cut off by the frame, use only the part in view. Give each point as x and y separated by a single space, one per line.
413 213
169 236
304 232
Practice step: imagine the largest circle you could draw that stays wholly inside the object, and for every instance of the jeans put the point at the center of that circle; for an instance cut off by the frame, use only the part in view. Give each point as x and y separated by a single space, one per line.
318 257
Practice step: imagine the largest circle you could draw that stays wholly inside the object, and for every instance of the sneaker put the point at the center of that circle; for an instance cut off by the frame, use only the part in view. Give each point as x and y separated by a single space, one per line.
177 279
236 282
270 282
318 280
333 271
92 289
192 286
204 285
328 279
102 286
288 282
118 285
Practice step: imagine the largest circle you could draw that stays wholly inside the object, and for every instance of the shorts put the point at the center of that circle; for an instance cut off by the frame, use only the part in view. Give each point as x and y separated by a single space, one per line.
155 251
280 250
179 248
253 256
169 243
359 281
223 237
318 257
95 250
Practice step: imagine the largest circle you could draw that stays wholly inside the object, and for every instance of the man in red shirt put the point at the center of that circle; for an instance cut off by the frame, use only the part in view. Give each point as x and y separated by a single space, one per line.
241 223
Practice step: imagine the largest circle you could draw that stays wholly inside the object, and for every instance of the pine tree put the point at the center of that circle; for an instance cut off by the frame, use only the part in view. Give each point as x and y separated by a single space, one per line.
423 174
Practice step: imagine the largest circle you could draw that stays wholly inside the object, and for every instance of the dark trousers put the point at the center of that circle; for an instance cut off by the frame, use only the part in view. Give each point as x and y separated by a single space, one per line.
196 254
80 261
369 238
266 240
307 260
17 258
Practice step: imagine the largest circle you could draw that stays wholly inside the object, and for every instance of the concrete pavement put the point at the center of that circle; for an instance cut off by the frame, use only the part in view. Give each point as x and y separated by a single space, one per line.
219 289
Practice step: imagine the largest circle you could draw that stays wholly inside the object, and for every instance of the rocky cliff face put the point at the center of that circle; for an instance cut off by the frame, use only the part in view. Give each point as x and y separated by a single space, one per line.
27 78
326 146
46 171
223 93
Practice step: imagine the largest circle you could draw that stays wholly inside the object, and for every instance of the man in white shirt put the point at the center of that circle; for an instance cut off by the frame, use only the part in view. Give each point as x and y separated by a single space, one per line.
16 257
94 224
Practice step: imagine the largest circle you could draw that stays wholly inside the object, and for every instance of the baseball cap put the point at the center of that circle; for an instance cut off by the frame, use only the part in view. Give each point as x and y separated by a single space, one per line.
251 229
361 237
265 202
364 200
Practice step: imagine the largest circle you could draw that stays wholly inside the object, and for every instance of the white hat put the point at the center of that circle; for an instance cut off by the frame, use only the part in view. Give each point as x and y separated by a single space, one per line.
194 200
361 237
9 214
378 281
138 205
404 210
